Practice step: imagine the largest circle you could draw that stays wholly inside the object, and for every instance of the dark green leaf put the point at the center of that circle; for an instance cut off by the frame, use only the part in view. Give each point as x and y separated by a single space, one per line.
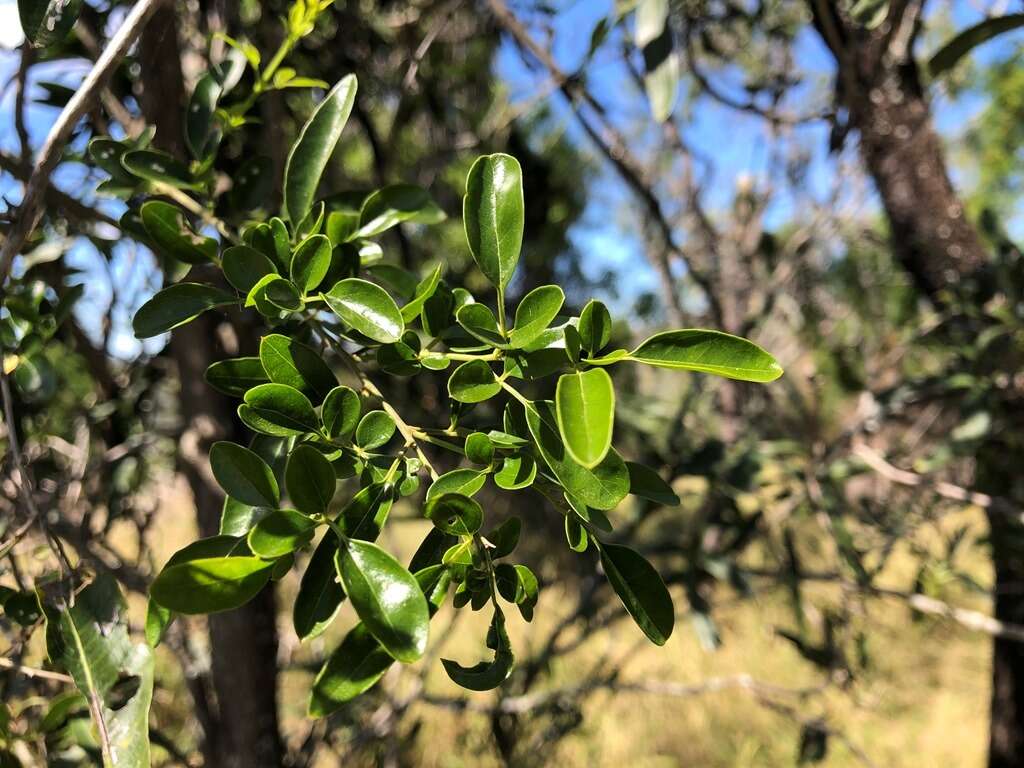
368 308
585 407
709 352
966 41
374 429
244 267
236 375
394 204
47 21
454 513
320 594
313 148
641 590
199 118
478 321
165 224
280 533
473 382
424 290
310 262
575 534
464 481
534 313
244 475
310 480
595 327
277 409
364 516
479 448
487 675
647 484
209 585
494 214
152 165
177 305
340 412
290 362
387 598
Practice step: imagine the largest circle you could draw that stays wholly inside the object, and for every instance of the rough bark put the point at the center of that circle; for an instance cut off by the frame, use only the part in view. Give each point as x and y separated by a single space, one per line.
243 642
878 82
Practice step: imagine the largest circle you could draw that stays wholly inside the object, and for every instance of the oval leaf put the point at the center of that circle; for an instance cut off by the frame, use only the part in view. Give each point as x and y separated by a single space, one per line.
367 308
585 407
177 305
209 585
534 313
280 533
310 480
708 352
290 362
641 590
473 382
244 475
494 212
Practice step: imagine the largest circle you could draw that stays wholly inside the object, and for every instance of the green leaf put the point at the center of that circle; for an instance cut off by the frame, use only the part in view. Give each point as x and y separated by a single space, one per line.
585 407
177 305
595 327
152 165
282 294
641 590
391 205
280 533
424 290
708 352
244 267
290 362
236 375
313 148
647 484
534 313
310 480
243 475
199 117
277 409
209 585
340 412
462 481
310 262
386 597
374 429
487 675
47 21
364 516
494 213
454 513
516 472
320 595
602 487
478 321
576 534
360 661
966 41
473 382
505 537
367 308
158 619
479 448
165 224
90 639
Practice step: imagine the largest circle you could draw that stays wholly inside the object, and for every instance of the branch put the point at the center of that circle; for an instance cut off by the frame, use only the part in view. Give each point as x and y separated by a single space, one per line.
31 209
42 674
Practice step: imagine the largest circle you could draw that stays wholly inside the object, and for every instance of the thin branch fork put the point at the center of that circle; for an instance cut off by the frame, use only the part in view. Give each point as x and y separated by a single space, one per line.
31 209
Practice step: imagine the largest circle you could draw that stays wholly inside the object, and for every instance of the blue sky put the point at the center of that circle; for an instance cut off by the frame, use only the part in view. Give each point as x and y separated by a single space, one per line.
606 235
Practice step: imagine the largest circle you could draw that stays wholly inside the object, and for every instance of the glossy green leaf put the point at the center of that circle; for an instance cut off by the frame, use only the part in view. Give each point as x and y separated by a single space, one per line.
245 266
280 533
209 585
479 448
391 205
494 212
238 518
647 484
235 376
310 262
290 362
282 294
585 407
364 516
424 290
487 675
310 480
641 590
374 429
708 352
595 327
169 232
313 149
320 593
516 472
91 640
602 487
386 597
199 117
576 534
153 165
462 481
47 21
505 537
473 382
177 305
367 308
277 409
243 475
478 321
454 514
340 412
534 313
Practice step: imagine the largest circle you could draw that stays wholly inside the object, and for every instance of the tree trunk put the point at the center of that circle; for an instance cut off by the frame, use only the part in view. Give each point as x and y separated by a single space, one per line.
243 643
878 82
